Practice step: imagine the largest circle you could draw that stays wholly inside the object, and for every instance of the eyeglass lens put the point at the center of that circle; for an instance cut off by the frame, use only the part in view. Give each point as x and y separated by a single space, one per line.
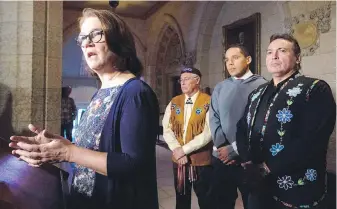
94 37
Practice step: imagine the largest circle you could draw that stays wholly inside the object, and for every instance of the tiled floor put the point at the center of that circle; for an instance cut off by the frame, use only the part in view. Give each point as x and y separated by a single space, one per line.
166 191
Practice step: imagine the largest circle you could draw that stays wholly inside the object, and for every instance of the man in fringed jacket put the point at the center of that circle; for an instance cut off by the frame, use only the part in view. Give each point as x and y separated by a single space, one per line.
187 133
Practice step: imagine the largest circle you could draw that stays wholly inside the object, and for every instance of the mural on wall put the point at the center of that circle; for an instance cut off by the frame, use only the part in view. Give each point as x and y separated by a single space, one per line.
307 27
247 33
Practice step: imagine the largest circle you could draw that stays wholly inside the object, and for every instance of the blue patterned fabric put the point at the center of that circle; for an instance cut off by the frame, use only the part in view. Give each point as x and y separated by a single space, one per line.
88 135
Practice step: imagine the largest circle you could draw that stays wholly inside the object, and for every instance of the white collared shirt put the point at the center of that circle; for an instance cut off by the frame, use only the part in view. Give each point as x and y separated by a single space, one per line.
187 112
245 76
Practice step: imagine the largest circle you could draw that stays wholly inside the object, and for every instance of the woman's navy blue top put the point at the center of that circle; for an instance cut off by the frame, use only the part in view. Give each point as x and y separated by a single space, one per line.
126 128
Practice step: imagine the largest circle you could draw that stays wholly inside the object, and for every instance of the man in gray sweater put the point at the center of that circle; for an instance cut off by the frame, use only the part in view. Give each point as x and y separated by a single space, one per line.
228 103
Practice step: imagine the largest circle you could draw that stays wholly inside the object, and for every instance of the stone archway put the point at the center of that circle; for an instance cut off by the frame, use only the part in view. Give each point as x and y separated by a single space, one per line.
166 60
169 58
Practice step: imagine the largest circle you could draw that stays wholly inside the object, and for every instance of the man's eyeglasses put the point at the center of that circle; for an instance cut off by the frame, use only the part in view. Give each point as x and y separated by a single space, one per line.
186 79
94 36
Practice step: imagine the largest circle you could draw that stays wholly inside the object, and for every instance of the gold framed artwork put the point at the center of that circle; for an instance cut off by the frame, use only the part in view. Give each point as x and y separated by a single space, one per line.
247 32
307 27
306 33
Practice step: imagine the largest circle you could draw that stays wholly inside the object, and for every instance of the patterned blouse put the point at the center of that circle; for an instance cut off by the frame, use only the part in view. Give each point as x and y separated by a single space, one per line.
88 135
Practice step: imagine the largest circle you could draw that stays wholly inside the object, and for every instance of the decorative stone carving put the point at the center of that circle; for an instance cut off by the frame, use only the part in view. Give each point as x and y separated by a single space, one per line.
170 55
323 17
306 28
173 52
190 58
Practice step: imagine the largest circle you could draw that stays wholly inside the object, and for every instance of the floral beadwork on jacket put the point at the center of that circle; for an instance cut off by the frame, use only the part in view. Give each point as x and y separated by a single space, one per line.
284 116
285 182
252 112
249 117
313 204
311 174
198 111
307 95
276 148
294 91
254 97
265 142
266 116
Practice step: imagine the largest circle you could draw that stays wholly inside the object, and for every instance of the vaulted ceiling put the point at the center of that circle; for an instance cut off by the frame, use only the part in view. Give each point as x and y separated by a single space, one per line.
134 9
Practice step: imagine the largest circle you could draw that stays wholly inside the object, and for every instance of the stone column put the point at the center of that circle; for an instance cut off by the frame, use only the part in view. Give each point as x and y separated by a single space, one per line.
53 78
30 63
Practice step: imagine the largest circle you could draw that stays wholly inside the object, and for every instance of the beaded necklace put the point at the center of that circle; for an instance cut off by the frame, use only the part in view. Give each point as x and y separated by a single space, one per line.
279 146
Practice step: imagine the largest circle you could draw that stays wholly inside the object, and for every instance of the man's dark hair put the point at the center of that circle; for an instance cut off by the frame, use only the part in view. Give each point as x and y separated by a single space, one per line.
242 48
296 47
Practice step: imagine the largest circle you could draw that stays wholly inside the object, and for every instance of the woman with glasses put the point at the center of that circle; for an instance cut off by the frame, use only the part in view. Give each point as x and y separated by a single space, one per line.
114 148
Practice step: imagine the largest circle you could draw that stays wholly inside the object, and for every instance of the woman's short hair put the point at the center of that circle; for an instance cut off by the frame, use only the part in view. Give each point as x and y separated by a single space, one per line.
119 39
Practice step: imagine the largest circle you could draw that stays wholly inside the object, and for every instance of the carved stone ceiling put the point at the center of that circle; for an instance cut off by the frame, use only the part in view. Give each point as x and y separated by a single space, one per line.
134 9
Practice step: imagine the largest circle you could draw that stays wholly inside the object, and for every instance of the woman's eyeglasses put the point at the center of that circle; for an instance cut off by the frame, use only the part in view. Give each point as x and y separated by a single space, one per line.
94 36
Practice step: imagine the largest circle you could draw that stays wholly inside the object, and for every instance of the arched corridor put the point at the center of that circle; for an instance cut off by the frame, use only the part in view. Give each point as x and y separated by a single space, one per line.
39 56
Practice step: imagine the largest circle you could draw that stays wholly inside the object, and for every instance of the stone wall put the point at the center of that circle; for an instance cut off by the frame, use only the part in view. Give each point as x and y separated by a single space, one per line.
30 62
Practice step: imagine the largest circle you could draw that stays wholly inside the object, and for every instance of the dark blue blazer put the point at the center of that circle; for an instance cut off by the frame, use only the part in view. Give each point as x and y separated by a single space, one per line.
129 138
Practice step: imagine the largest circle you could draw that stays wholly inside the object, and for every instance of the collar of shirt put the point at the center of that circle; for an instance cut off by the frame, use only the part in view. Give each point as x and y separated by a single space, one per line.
245 76
194 97
282 82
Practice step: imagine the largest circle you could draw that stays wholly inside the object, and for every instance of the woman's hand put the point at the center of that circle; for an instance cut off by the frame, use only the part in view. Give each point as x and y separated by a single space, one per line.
45 147
38 139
